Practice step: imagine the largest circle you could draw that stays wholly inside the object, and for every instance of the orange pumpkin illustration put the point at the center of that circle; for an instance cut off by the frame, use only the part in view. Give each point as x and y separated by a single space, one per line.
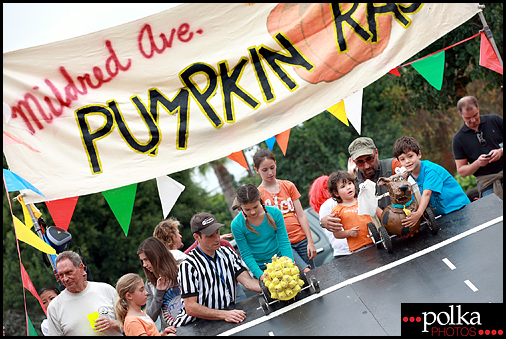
311 29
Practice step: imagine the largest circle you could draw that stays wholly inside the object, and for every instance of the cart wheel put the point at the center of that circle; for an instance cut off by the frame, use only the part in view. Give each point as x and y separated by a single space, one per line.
264 306
428 214
387 242
374 233
315 284
303 276
265 292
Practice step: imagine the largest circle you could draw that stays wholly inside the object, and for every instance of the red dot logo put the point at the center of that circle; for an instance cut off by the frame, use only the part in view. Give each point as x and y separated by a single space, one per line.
418 319
405 319
412 319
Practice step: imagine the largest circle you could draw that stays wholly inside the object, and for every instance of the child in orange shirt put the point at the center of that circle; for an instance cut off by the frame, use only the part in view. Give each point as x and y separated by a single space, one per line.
283 195
132 319
341 187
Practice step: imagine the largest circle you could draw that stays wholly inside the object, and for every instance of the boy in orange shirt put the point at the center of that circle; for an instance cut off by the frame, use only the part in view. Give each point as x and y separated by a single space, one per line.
341 187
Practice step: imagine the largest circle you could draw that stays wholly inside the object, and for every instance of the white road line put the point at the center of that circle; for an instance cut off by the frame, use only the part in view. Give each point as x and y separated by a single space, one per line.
471 286
271 334
361 277
449 263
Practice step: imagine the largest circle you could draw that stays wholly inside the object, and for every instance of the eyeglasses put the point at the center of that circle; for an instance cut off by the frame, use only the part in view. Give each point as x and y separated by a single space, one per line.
369 159
482 140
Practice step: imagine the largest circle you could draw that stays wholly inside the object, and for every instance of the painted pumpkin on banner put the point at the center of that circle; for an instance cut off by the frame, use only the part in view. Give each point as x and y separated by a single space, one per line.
312 30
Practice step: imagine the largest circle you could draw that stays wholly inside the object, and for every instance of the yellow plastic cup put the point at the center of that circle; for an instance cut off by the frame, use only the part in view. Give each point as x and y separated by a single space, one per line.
91 318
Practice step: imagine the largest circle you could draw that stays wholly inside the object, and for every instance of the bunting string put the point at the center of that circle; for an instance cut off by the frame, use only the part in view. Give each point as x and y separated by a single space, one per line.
444 49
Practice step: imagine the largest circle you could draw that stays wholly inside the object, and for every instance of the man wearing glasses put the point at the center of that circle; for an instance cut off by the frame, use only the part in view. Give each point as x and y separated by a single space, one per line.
365 155
477 147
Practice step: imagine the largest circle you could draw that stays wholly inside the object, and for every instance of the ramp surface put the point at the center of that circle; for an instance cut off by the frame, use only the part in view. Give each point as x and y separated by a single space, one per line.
361 294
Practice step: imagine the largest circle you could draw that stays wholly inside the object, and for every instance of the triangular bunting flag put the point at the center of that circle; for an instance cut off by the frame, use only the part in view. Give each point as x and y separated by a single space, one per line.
9 139
26 235
31 329
270 142
28 218
62 210
239 158
282 139
26 213
432 69
27 283
121 201
15 183
169 191
353 106
488 57
395 71
339 112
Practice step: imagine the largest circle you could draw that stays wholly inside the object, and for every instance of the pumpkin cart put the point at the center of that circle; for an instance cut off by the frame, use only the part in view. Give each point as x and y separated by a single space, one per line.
284 283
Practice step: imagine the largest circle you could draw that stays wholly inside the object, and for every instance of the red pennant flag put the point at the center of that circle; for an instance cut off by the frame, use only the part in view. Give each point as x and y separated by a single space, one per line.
282 139
9 139
238 157
62 210
27 283
488 57
395 71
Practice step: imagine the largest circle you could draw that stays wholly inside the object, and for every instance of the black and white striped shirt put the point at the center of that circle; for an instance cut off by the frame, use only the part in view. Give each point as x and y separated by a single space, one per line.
199 275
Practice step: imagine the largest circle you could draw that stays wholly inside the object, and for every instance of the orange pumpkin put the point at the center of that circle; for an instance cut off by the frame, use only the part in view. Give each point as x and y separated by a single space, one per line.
311 29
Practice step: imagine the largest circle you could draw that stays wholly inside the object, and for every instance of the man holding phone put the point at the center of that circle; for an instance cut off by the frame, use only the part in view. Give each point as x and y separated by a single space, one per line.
477 147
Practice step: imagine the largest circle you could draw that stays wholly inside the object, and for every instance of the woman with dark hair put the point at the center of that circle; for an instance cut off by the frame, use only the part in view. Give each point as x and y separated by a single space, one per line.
160 268
259 231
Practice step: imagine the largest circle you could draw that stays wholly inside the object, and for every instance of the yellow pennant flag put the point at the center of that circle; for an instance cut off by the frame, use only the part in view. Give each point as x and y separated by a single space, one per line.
26 235
26 214
339 112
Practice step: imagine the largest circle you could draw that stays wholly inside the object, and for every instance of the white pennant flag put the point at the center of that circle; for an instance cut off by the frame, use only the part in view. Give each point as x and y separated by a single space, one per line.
168 190
353 107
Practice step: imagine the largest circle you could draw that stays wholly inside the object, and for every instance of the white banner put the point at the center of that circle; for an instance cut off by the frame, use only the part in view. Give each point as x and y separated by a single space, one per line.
196 83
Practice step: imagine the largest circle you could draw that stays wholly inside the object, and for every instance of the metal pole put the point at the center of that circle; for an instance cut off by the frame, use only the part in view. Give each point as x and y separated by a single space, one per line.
488 32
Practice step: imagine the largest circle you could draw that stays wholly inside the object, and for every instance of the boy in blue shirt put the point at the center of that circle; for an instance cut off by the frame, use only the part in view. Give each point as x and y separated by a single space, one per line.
436 184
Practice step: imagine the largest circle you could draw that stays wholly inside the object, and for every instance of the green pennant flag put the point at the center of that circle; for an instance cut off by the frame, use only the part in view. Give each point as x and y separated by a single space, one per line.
432 69
121 201
31 329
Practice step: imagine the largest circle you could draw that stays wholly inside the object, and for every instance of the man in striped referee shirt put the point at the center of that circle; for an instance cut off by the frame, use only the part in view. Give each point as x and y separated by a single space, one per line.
207 277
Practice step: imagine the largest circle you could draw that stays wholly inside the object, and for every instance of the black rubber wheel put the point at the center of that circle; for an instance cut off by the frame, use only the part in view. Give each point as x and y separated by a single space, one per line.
430 218
303 276
374 234
387 242
315 284
264 306
265 292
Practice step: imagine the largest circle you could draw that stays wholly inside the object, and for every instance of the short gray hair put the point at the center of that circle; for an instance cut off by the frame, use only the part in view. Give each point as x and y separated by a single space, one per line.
72 256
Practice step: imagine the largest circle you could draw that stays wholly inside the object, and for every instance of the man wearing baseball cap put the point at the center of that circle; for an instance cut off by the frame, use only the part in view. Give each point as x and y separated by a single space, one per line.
364 154
207 277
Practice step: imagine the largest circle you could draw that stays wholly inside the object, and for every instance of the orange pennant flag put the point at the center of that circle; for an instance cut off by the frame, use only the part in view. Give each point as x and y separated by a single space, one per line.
239 158
282 139
62 210
27 283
